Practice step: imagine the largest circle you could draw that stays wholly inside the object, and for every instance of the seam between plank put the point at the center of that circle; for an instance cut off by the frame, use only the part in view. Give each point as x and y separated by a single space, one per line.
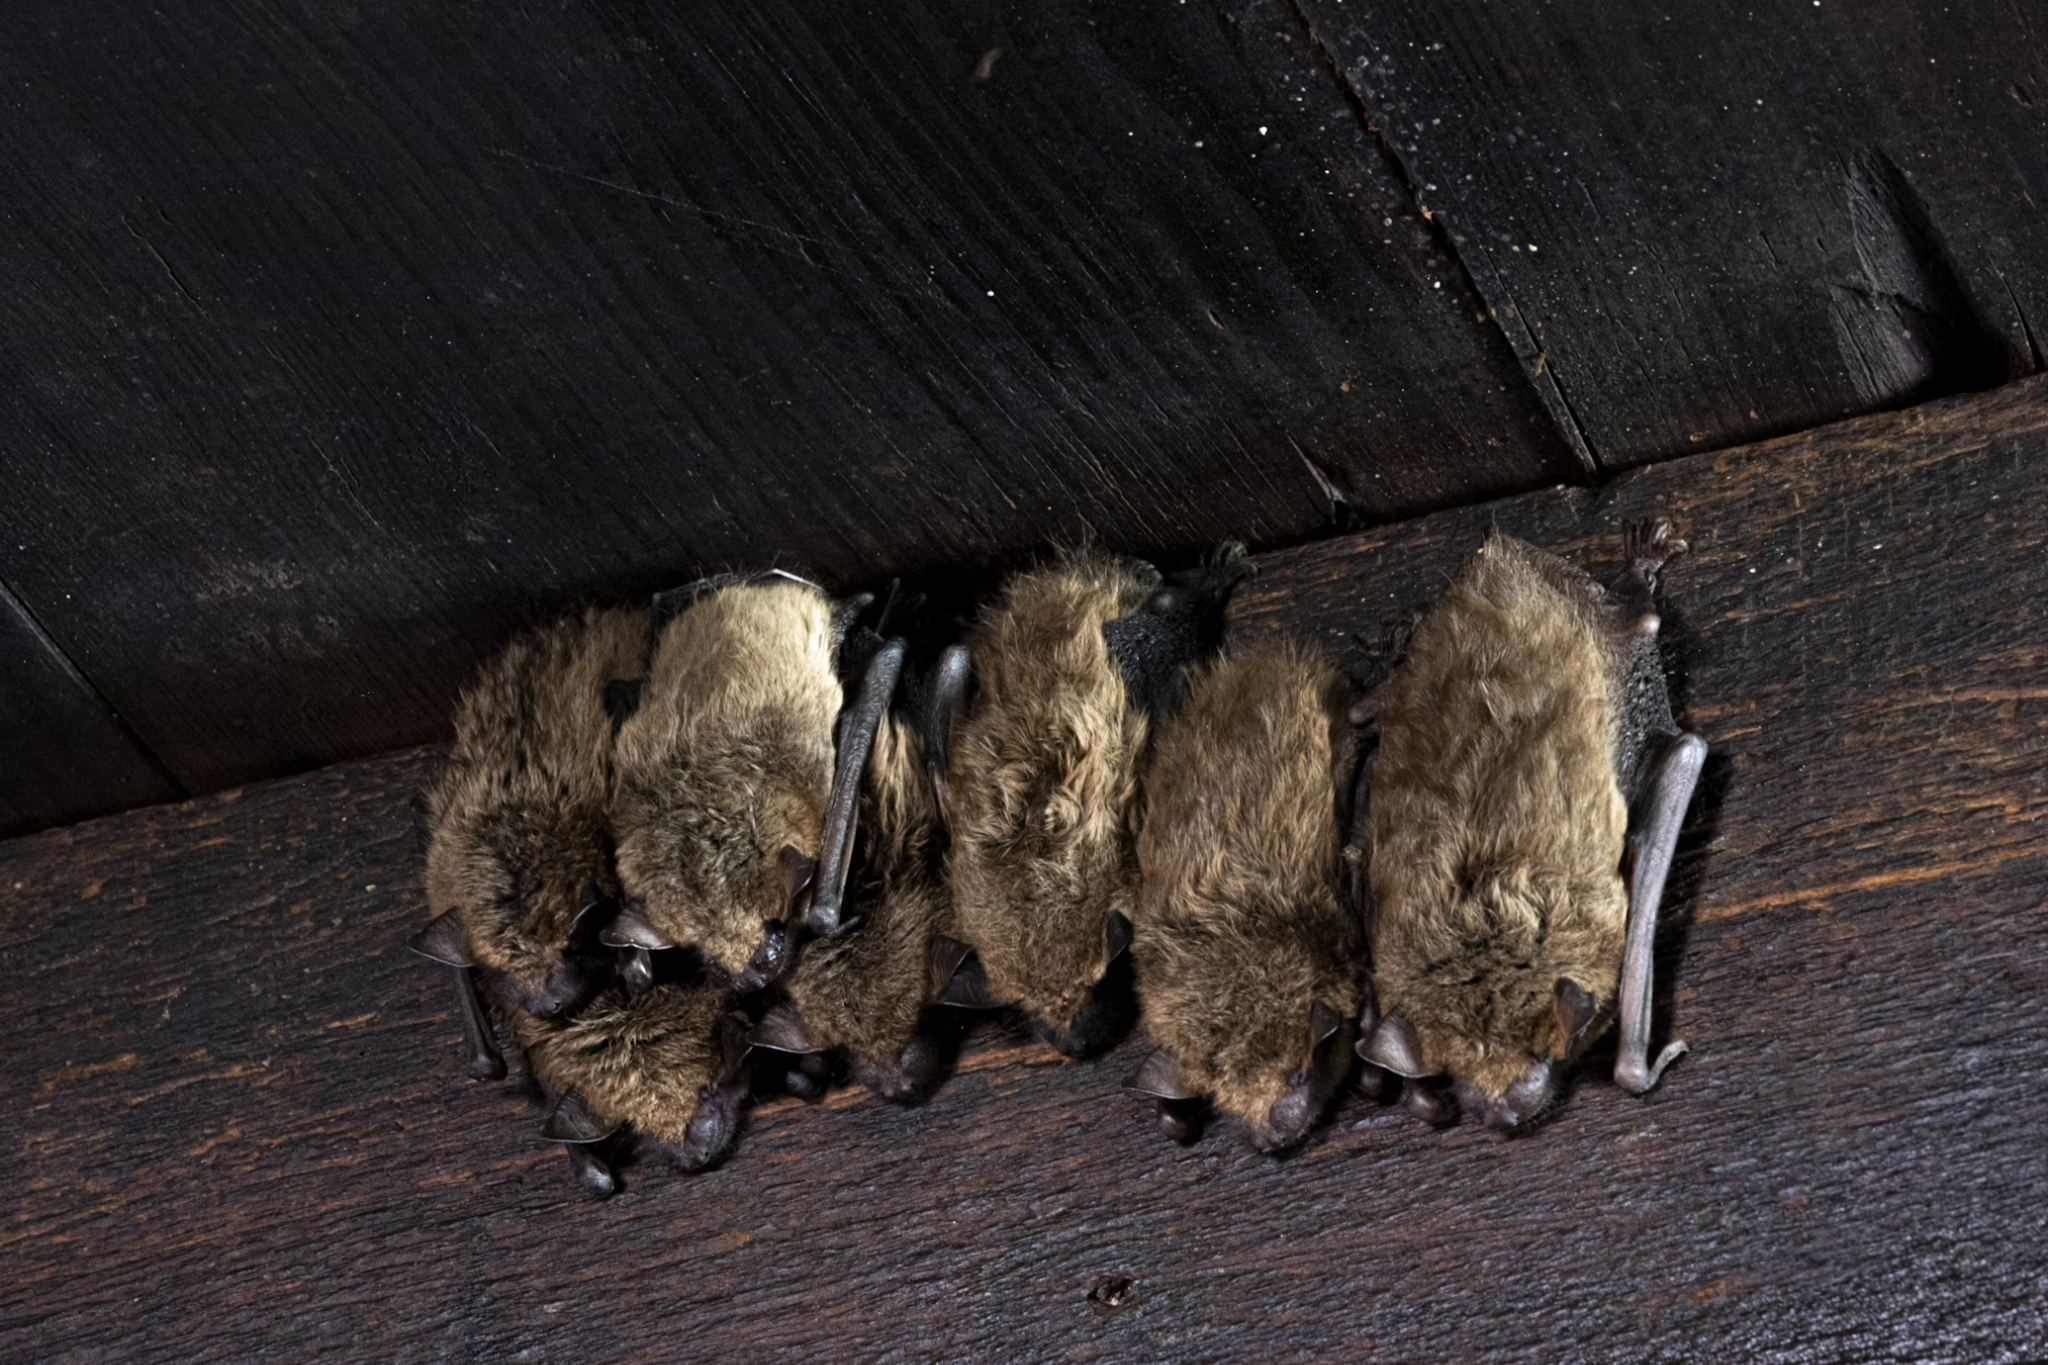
1521 340
12 601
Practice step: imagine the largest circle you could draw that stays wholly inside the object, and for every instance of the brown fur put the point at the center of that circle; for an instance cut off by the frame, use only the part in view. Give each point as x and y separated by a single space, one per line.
1241 928
866 990
1043 777
659 1063
1497 821
728 761
518 817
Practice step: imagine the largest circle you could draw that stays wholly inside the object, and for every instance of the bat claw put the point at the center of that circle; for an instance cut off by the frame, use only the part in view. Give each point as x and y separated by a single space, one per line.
1638 1077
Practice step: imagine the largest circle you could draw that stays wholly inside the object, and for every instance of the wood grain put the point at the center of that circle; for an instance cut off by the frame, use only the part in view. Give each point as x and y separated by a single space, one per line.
343 340
242 1127
1701 226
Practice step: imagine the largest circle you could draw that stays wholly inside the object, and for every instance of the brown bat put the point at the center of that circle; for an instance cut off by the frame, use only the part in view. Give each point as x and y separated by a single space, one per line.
1526 802
1073 663
519 862
725 791
1249 958
871 991
662 1069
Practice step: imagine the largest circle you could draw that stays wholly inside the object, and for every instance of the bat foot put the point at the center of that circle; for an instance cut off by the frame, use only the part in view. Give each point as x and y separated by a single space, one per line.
1637 1076
1649 544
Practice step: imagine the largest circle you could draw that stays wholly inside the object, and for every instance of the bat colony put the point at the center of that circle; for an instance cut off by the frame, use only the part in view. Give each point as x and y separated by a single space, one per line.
759 836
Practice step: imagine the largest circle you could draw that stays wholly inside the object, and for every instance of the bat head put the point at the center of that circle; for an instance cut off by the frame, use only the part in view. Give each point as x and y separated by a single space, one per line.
532 887
1504 996
725 866
1097 1006
1268 1045
670 1063
711 1130
1077 1011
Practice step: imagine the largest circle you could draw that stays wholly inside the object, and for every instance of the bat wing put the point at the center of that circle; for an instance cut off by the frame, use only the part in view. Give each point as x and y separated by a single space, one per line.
842 811
1176 627
948 699
1654 839
442 941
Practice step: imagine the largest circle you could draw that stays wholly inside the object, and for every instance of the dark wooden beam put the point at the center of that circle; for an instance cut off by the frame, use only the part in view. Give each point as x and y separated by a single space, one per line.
64 754
341 341
1701 226
240 1124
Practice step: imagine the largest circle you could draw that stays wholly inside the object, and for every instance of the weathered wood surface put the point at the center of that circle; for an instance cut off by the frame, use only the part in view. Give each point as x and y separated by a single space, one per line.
1703 224
64 755
240 1124
341 340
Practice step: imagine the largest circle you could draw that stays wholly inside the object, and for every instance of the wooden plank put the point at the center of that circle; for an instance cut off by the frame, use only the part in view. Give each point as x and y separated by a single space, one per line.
1702 226
345 340
64 755
242 1126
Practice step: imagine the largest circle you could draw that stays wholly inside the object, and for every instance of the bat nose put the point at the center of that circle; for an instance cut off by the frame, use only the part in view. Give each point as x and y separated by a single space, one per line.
771 956
1519 1105
1287 1123
1065 1041
707 1134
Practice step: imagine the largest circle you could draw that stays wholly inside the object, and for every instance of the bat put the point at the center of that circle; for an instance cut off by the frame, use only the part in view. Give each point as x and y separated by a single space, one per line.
519 863
1071 665
1527 795
724 795
1249 956
871 991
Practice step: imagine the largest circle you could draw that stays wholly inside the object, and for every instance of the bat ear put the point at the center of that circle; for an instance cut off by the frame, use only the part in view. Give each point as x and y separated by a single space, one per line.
1392 1045
732 1045
1161 1075
947 955
631 929
597 908
636 970
1322 1022
799 873
968 986
571 1122
782 1030
443 941
1576 1009
1116 935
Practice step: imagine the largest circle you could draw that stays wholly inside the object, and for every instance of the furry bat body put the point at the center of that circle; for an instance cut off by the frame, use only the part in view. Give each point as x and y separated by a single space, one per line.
1249 963
1073 663
725 774
872 990
519 865
662 1069
1527 749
